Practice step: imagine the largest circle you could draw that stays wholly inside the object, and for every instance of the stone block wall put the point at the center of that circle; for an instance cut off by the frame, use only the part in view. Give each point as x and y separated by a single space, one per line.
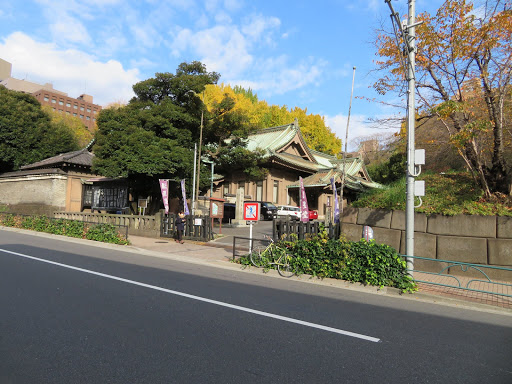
483 240
138 225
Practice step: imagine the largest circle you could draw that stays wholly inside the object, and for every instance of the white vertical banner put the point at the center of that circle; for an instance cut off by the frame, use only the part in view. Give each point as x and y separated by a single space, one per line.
164 187
185 206
304 210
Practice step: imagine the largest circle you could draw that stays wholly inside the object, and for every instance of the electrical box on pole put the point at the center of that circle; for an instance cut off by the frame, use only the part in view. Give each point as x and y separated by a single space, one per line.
419 188
419 157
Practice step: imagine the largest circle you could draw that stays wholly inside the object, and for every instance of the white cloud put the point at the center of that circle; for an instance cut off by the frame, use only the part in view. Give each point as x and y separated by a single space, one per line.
277 76
70 71
69 29
233 5
222 48
358 127
260 28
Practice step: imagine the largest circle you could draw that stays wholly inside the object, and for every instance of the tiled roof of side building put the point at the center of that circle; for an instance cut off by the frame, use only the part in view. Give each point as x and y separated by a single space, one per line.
82 157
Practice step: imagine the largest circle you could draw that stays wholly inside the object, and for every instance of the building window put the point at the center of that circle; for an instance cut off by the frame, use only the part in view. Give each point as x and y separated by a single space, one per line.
94 119
95 111
275 194
82 108
87 118
53 109
46 98
226 188
75 106
259 191
61 102
88 109
74 114
81 116
54 101
68 104
67 112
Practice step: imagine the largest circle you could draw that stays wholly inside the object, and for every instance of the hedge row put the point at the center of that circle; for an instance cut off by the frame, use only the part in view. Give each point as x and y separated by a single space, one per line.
106 233
363 262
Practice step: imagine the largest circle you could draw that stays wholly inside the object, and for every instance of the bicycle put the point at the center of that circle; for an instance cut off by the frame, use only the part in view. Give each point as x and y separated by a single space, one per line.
273 254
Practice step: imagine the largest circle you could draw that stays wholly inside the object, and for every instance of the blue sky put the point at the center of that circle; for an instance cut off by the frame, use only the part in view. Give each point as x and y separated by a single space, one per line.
293 53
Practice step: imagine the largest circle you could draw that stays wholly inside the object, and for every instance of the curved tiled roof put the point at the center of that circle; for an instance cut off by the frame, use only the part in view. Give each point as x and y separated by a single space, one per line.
82 157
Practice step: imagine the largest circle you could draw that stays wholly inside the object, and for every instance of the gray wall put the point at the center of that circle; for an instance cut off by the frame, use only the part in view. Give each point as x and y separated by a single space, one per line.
472 239
37 190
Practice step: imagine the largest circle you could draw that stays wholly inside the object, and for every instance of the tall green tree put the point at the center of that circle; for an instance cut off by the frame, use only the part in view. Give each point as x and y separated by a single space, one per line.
154 135
27 133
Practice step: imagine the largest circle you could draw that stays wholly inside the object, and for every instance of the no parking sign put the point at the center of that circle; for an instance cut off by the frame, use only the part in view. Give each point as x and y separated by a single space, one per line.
251 211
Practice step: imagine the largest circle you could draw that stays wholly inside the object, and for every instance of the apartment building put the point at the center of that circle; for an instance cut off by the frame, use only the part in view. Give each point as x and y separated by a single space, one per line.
81 107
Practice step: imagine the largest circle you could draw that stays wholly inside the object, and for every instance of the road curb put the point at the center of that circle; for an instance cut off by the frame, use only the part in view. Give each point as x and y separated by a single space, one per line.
225 264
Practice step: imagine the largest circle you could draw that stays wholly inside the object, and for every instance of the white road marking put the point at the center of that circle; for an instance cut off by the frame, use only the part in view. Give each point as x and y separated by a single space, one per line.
193 297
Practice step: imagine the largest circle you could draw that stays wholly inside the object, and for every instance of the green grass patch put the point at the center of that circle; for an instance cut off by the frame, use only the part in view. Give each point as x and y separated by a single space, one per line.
447 194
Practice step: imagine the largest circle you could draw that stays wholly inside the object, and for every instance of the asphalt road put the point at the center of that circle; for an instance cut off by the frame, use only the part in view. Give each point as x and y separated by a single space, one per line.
103 315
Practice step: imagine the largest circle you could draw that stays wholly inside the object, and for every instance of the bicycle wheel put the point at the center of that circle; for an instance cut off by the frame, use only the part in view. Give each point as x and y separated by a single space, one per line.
285 265
258 258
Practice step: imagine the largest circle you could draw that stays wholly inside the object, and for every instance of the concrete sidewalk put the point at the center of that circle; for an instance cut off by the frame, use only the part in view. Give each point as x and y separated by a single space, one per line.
220 254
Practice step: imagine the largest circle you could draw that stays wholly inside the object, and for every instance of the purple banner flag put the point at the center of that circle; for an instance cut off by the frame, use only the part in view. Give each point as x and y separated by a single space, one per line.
304 210
336 204
185 206
164 187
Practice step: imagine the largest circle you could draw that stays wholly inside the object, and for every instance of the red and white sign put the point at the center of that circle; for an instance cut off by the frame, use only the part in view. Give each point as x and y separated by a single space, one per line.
251 211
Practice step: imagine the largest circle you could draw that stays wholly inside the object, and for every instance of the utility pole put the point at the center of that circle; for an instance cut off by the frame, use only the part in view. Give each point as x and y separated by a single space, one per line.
346 140
411 120
408 32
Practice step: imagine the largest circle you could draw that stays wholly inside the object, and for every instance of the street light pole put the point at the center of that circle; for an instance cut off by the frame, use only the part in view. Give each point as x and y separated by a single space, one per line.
346 139
199 157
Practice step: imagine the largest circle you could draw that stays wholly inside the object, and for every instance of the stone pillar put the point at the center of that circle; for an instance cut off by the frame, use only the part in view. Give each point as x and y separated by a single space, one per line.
239 209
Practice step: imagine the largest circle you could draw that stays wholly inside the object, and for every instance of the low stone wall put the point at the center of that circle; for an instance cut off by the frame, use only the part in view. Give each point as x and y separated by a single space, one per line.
148 226
471 239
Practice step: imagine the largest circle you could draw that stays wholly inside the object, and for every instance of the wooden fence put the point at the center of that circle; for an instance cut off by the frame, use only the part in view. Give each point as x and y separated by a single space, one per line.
196 227
284 228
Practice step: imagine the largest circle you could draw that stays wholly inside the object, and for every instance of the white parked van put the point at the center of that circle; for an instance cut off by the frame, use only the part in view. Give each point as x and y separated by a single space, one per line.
285 211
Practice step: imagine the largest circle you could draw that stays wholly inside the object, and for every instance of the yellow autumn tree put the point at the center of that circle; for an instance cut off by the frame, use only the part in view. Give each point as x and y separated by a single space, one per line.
74 124
262 115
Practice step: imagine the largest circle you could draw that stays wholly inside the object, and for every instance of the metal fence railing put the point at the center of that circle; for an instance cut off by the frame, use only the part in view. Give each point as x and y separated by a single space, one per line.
244 245
478 278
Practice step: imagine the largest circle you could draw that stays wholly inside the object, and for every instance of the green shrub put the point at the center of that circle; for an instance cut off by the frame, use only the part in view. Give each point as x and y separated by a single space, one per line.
363 262
8 220
377 264
106 233
100 232
75 228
